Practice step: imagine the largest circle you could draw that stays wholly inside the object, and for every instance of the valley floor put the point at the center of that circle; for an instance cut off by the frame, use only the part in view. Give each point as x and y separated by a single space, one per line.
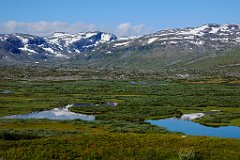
119 132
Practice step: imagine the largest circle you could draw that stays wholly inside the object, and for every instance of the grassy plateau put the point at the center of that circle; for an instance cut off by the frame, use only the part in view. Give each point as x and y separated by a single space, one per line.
119 132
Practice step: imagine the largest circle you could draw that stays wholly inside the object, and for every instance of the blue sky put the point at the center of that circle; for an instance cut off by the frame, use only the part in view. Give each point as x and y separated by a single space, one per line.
123 17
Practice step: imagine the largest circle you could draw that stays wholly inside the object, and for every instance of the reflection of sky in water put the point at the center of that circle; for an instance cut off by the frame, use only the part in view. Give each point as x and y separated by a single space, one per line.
54 114
192 128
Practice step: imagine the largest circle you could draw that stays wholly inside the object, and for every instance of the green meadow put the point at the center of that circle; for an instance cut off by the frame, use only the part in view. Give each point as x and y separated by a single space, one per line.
118 132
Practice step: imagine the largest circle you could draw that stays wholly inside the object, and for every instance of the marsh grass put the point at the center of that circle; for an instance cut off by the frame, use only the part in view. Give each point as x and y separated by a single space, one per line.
118 132
188 154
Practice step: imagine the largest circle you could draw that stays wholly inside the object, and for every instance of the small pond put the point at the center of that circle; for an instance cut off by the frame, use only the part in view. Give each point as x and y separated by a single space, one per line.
186 126
7 92
55 114
106 104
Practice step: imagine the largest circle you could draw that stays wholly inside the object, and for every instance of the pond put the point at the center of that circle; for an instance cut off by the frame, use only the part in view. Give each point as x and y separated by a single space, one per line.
55 114
106 104
7 92
192 128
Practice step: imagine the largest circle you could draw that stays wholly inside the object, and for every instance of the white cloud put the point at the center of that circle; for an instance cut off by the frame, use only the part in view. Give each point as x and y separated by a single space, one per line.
44 28
126 29
123 28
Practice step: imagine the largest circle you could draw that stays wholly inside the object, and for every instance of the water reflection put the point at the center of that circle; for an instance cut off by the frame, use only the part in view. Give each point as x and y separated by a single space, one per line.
55 114
193 128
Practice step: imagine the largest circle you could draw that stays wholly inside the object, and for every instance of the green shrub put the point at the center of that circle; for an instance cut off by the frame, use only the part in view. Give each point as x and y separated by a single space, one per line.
10 135
188 155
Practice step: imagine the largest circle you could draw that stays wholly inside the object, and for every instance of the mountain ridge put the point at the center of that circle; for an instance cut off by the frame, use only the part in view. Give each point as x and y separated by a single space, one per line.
54 46
183 51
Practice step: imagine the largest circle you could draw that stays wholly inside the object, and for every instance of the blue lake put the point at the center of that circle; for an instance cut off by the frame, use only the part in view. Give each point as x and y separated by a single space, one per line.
192 128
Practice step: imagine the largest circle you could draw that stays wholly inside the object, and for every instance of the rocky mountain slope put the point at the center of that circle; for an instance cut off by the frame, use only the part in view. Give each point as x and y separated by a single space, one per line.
209 36
208 48
26 47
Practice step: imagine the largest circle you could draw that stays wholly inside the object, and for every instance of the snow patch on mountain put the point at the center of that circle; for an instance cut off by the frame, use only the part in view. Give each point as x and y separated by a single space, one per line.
88 35
49 50
77 51
152 40
59 55
105 38
121 44
27 49
59 35
214 30
24 40
64 39
194 31
128 38
238 39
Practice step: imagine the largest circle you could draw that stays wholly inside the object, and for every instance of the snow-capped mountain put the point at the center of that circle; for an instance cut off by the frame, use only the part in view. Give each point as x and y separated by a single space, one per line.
212 36
58 45
174 49
88 45
79 42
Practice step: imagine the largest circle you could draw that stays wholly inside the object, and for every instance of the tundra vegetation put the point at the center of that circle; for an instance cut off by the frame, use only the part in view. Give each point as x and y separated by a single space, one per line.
119 132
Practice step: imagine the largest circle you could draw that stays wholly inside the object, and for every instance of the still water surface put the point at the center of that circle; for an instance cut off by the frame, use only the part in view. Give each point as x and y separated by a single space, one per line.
55 114
192 128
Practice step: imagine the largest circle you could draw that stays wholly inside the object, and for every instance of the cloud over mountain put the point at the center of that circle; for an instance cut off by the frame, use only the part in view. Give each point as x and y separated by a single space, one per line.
126 29
43 28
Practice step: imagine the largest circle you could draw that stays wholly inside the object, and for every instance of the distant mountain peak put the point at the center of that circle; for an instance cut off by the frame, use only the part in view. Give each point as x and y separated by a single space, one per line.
57 34
93 43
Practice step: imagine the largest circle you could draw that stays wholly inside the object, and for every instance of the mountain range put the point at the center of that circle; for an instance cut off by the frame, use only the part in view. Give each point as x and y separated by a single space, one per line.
189 50
26 47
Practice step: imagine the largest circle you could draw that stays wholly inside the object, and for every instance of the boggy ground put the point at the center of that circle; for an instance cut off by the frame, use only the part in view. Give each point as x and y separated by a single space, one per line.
118 132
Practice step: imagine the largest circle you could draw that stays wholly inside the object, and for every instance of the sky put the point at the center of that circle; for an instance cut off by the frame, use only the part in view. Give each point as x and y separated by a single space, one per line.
120 17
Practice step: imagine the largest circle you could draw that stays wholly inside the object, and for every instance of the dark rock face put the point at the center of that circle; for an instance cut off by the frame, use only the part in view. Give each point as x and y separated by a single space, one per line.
13 41
11 45
37 41
15 51
81 43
